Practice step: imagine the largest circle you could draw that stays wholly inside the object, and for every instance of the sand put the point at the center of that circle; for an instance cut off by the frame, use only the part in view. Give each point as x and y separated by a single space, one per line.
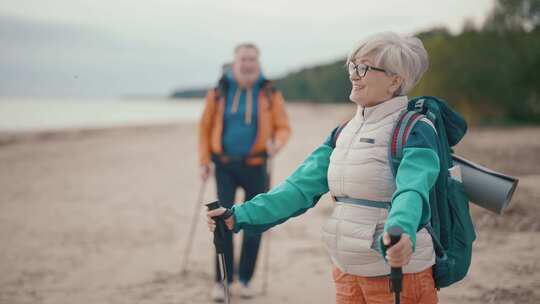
102 216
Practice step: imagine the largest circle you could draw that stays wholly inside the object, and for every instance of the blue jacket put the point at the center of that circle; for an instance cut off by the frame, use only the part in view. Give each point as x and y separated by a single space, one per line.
240 118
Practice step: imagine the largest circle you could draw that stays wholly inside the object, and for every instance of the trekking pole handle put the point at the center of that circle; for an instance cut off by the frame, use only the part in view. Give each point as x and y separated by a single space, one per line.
221 228
396 273
213 205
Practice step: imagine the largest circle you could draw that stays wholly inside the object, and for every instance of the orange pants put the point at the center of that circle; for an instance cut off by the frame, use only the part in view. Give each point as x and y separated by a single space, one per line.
352 289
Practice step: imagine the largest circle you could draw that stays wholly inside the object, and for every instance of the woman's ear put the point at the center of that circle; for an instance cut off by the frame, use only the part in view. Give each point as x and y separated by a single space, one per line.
395 85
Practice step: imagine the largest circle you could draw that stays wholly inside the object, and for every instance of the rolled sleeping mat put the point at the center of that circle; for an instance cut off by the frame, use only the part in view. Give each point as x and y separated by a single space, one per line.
484 187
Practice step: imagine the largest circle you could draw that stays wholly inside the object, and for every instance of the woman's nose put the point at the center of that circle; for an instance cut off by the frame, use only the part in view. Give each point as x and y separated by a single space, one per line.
355 78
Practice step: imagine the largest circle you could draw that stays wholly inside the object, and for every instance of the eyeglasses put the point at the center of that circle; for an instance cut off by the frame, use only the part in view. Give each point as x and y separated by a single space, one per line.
362 69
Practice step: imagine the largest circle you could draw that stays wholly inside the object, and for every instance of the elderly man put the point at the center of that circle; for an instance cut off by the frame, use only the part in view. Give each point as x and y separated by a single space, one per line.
243 123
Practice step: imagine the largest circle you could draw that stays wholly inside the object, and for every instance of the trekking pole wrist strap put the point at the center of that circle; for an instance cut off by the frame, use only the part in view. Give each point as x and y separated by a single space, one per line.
227 214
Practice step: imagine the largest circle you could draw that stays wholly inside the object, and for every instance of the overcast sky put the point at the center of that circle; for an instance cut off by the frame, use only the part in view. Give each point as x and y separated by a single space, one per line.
103 48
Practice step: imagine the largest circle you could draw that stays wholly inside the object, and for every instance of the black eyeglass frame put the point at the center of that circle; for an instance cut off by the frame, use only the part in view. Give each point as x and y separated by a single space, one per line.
368 68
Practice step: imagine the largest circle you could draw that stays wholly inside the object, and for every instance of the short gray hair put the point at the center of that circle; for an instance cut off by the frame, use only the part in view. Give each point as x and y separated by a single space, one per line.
404 56
246 45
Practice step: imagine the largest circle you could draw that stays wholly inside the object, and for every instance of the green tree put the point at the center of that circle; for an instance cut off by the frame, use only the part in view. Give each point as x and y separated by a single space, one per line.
514 15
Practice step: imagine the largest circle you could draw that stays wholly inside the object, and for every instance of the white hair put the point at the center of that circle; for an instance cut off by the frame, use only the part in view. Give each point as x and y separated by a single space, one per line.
404 56
246 45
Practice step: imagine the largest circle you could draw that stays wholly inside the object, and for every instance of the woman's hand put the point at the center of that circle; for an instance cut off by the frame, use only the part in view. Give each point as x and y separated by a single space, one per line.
229 222
399 254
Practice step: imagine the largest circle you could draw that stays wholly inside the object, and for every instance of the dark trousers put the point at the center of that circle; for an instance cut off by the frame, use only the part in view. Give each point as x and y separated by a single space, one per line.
253 180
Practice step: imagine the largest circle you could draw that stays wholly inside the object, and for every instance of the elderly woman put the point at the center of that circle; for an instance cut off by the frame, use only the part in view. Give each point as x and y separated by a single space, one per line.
356 171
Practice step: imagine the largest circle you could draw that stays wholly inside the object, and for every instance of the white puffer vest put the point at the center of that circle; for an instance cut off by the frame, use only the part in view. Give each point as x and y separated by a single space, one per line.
359 169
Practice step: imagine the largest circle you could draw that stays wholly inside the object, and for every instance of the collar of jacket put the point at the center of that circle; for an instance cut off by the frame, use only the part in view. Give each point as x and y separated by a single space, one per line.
229 76
378 112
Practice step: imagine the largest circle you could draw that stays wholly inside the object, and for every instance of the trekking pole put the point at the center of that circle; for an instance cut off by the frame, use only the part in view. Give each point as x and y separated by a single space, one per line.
194 221
266 256
219 243
266 265
396 273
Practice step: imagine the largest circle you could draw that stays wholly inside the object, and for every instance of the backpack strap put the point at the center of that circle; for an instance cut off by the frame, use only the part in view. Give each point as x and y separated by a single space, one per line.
440 252
401 132
221 89
269 90
336 134
403 128
217 94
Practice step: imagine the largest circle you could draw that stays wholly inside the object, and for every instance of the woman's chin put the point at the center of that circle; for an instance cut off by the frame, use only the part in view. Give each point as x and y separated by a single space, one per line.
356 99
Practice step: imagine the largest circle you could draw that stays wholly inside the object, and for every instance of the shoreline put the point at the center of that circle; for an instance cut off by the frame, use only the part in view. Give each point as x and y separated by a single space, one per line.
12 137
9 138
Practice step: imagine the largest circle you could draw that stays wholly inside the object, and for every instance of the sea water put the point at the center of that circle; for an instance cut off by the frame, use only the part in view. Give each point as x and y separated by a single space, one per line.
48 114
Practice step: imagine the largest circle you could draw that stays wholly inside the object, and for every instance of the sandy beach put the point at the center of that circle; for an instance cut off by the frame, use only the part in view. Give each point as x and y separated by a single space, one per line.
102 216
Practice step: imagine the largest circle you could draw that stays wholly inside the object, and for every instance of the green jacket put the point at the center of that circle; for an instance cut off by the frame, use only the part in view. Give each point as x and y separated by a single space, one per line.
416 175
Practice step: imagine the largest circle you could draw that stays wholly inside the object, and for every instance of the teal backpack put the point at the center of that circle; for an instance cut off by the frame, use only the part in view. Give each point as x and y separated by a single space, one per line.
450 225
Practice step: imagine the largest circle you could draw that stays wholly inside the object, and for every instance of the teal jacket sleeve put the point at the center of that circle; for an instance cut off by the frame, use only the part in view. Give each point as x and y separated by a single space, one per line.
299 192
416 175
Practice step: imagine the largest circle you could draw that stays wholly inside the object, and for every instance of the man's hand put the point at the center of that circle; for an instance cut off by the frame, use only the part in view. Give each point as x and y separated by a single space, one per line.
399 254
273 148
205 171
217 212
